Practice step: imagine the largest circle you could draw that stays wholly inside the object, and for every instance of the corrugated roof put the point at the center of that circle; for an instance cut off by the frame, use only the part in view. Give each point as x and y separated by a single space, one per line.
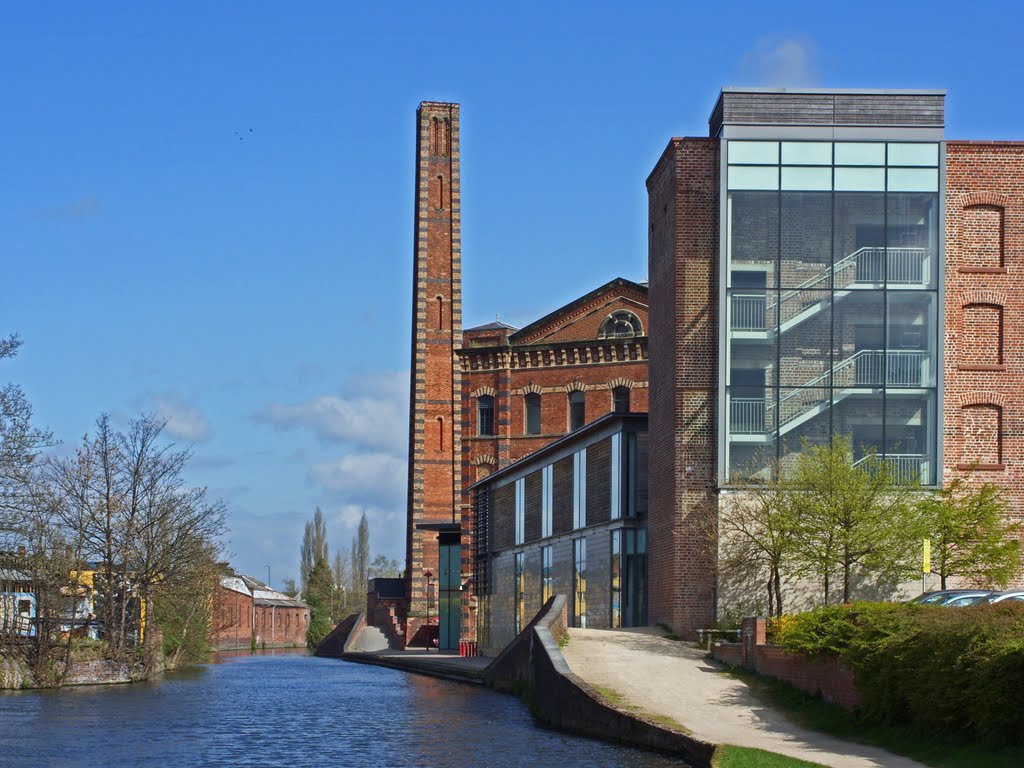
235 584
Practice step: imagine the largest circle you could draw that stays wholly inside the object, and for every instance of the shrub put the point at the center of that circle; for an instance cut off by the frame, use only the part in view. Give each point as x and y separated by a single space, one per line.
946 670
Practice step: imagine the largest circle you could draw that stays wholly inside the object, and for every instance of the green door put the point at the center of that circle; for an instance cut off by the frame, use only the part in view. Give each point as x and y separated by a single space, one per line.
449 584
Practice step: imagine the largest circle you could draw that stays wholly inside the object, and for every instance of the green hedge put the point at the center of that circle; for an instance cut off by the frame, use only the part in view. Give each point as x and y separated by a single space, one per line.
947 670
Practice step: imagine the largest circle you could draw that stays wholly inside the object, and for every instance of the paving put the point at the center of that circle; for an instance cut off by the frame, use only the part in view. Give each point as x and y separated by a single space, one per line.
443 664
666 677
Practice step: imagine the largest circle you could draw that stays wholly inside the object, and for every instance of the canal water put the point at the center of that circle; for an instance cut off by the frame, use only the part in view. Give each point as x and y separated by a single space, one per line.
293 711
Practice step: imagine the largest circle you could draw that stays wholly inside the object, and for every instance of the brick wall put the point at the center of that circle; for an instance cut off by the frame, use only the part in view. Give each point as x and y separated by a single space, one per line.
683 195
984 295
232 619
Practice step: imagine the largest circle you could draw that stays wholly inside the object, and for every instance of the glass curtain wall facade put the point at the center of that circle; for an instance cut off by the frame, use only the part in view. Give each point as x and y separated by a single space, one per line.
831 302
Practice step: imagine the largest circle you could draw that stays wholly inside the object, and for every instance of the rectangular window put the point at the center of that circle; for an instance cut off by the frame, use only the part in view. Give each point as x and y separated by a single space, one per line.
545 575
579 489
616 586
546 476
616 480
520 592
520 532
532 405
579 606
485 415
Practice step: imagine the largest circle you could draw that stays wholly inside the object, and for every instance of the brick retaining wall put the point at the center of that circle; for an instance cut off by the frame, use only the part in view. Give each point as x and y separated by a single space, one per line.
826 677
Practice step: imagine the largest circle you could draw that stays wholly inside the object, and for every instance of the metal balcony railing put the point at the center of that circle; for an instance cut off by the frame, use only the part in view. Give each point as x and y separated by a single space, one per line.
871 264
905 467
746 415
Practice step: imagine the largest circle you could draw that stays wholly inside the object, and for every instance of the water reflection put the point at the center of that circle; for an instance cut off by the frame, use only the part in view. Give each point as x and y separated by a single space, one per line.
288 709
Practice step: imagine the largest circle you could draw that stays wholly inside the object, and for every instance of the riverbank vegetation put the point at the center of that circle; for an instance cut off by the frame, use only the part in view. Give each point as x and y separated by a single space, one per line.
942 671
105 550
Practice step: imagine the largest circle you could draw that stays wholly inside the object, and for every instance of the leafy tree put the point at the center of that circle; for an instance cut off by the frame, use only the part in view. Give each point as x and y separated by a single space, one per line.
852 517
314 547
361 551
289 588
971 535
318 597
756 533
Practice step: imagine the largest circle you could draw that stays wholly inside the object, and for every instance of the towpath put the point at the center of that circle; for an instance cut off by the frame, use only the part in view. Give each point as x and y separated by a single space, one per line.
675 680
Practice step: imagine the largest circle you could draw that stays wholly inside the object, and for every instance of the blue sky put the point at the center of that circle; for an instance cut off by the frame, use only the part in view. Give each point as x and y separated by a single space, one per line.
206 208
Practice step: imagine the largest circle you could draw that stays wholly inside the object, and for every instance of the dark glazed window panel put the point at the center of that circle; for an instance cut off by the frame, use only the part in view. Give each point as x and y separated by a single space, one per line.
531 404
620 399
577 410
858 234
806 240
912 239
754 228
485 415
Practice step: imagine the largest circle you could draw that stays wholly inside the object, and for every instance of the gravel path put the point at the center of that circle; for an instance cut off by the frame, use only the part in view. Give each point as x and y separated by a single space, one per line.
671 678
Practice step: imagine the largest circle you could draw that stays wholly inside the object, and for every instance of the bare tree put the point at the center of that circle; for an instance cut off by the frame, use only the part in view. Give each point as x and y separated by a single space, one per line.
756 534
123 498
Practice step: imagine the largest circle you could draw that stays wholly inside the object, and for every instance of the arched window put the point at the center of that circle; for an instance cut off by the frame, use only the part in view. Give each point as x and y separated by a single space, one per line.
577 410
532 403
485 415
620 400
621 324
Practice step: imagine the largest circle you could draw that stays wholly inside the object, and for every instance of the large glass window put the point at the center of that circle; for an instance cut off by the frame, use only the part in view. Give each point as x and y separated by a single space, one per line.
547 562
546 485
831 302
579 489
520 591
520 511
579 605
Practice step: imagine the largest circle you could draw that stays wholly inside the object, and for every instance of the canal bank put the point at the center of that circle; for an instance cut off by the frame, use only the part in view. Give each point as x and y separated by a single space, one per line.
635 687
532 666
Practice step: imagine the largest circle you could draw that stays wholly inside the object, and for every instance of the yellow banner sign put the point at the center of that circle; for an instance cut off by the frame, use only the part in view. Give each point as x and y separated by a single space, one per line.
926 560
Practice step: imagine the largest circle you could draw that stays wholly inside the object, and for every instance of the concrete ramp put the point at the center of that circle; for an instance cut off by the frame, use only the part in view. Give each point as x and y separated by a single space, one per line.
369 640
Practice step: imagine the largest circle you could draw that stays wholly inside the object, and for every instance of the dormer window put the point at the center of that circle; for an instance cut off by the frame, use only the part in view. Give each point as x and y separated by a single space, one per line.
621 324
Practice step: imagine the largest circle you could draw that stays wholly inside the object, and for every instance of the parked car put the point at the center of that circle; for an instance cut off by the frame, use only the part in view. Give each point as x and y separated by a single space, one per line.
961 601
939 597
998 597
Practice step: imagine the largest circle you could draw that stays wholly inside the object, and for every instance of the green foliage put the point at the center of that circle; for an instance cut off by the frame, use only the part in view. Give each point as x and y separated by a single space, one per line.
319 627
319 592
942 670
971 536
854 517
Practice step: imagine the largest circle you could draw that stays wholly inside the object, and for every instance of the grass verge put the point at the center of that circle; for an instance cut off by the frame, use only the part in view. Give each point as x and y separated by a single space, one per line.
817 715
618 701
729 756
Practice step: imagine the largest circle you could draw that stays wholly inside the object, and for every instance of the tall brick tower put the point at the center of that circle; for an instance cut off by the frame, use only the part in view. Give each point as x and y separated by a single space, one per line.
435 477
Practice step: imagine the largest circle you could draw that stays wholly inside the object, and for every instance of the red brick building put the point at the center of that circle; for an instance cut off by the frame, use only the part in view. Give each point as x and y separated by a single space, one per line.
484 397
249 614
826 263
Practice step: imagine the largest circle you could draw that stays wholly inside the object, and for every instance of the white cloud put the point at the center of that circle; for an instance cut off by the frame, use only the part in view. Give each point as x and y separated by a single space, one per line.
785 62
375 417
183 421
362 476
